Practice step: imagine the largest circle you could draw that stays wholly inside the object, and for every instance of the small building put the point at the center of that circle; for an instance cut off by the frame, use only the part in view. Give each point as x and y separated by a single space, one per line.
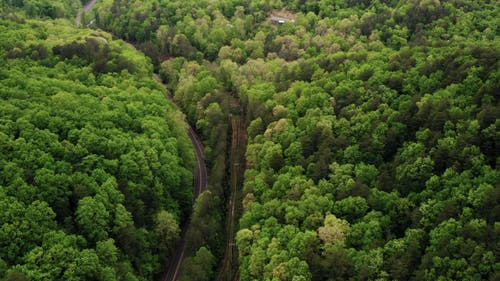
282 16
281 20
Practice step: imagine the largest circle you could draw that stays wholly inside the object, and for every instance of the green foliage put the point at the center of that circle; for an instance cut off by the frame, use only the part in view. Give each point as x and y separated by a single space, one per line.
43 8
372 137
167 231
199 267
371 127
96 165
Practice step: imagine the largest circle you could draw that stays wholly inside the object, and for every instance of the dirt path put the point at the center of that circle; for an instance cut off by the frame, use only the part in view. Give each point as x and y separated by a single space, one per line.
89 6
229 269
86 8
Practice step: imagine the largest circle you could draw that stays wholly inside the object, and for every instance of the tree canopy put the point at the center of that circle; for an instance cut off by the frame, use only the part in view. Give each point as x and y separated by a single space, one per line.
95 163
372 128
372 139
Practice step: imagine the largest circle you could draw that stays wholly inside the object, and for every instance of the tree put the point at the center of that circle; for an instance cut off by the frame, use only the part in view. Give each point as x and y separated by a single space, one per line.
16 276
200 267
107 252
351 208
87 265
334 230
244 239
167 231
93 219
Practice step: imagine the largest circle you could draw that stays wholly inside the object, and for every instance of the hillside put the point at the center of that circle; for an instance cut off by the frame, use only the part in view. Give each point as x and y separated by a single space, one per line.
95 163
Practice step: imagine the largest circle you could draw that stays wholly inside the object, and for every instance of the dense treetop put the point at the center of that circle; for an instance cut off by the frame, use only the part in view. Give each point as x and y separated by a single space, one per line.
373 131
42 8
95 163
373 128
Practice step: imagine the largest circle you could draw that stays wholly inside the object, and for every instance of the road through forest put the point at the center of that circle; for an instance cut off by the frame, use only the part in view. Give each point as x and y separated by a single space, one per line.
200 184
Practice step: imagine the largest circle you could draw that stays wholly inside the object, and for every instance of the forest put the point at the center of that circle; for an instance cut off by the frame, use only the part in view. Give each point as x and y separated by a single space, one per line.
95 163
372 133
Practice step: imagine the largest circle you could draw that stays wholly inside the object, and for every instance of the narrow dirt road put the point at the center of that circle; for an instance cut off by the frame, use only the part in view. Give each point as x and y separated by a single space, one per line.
229 269
86 8
89 6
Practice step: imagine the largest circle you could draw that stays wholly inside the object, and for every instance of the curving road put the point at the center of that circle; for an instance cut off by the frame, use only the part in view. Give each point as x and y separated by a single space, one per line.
200 184
200 175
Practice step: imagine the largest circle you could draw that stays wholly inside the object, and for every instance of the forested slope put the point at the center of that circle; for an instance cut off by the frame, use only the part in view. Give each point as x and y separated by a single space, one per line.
95 163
